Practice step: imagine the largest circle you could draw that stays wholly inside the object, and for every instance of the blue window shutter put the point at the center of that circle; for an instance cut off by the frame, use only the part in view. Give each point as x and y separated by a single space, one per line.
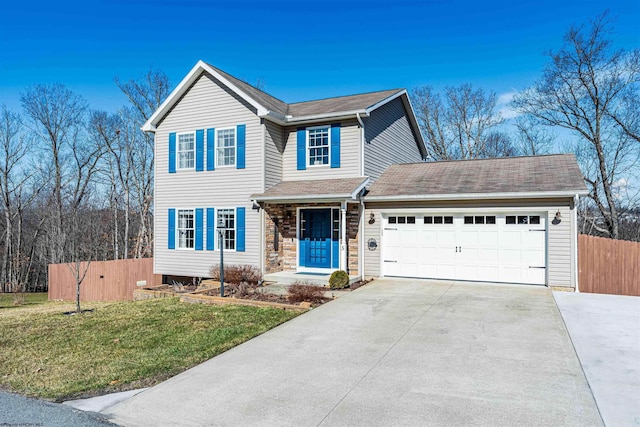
211 149
240 146
198 244
301 149
172 152
199 150
172 229
335 145
240 230
211 229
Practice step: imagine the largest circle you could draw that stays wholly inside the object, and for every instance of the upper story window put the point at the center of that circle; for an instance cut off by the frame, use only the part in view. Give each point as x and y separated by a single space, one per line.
318 146
186 229
229 218
186 150
226 147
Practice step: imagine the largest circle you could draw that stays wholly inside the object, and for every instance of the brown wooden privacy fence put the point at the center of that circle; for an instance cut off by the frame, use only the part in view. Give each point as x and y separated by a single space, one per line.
105 280
608 266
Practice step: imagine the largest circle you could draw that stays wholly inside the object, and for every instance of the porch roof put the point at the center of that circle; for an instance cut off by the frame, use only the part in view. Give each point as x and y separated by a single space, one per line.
313 190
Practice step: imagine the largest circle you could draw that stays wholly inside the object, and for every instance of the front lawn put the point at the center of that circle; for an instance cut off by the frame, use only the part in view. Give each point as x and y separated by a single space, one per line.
26 299
118 346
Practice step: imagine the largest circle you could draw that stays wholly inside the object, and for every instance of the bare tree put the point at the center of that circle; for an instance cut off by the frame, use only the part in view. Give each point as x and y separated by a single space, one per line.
57 115
591 89
531 139
145 96
118 169
463 126
13 150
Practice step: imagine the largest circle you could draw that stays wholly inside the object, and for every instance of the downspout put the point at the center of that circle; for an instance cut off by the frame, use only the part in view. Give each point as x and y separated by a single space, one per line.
361 242
261 212
361 143
575 238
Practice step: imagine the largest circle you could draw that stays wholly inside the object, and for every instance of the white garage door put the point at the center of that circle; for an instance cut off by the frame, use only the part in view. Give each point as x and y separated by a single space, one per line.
484 247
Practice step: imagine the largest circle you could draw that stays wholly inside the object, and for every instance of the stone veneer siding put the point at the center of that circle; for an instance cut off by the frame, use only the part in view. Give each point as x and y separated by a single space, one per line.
285 258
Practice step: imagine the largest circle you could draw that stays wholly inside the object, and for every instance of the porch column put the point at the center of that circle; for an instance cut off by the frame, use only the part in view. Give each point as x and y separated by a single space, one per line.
343 237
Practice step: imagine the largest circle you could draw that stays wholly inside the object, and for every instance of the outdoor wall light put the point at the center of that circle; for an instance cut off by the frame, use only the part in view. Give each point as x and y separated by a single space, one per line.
558 216
372 218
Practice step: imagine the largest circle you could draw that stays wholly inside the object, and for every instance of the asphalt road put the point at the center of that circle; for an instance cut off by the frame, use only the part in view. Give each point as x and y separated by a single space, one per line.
20 411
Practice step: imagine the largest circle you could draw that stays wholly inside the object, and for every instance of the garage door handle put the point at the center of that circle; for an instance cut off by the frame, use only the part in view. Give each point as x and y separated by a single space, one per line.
537 229
389 260
390 228
535 266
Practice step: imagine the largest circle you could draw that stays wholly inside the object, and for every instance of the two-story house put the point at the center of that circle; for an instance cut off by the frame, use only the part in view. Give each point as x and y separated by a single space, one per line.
341 183
287 179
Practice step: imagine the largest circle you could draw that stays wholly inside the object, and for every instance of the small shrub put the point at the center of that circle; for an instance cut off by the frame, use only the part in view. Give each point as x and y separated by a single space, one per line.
237 274
339 280
303 291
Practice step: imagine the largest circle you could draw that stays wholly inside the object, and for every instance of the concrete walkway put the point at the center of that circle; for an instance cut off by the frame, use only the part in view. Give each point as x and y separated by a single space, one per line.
605 330
398 352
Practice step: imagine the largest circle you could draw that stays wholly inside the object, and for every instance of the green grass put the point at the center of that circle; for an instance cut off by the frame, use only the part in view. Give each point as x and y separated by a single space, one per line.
118 346
8 300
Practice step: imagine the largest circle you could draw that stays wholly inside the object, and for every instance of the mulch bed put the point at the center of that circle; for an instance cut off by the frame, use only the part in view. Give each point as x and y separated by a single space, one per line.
257 293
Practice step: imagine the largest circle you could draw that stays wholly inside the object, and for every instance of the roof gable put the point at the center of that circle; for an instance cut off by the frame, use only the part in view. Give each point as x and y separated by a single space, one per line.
551 175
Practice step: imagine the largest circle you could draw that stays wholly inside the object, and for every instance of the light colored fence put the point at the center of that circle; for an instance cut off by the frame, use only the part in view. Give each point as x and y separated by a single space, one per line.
608 266
105 280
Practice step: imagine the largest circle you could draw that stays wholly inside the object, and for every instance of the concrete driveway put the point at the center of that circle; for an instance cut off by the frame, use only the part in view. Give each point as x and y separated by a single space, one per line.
605 330
396 352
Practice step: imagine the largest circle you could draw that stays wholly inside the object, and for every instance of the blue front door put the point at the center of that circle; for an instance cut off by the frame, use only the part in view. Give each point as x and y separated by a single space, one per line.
315 238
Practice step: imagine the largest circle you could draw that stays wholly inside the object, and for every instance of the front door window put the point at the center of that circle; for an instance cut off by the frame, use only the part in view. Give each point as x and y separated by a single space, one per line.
316 229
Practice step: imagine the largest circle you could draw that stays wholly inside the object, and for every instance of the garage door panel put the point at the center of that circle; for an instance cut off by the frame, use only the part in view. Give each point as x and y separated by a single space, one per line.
511 238
408 237
489 238
489 256
446 238
468 238
510 256
490 250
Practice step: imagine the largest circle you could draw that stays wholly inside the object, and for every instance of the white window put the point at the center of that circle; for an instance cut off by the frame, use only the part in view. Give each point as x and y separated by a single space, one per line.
186 230
229 217
186 150
318 146
226 147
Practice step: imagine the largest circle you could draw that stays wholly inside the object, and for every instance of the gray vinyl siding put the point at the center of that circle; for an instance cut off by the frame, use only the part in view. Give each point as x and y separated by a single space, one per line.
371 258
274 147
559 242
388 139
560 236
207 105
349 155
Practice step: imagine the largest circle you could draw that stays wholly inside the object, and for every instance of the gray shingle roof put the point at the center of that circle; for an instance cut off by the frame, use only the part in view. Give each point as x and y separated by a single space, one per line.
263 98
312 189
536 174
341 103
307 108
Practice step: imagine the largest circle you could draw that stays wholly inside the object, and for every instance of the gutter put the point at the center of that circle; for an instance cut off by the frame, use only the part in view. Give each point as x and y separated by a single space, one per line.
472 196
290 120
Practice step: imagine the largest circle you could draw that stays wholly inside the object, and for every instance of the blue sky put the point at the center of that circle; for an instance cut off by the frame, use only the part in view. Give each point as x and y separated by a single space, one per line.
300 50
